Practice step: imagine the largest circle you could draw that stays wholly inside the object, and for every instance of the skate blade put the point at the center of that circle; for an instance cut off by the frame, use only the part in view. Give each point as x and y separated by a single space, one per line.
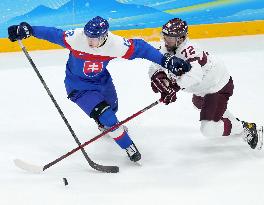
260 138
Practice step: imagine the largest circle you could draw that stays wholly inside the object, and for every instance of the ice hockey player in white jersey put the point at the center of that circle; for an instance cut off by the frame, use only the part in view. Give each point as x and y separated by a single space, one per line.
207 79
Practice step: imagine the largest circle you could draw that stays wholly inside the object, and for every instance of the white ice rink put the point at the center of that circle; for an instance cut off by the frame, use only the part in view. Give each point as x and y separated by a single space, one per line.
179 166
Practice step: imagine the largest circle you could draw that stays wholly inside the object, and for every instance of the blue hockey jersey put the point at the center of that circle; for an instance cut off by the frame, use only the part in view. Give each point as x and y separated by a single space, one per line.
86 67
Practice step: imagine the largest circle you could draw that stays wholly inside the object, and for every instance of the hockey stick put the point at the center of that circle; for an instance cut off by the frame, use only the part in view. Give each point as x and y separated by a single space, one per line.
108 169
38 169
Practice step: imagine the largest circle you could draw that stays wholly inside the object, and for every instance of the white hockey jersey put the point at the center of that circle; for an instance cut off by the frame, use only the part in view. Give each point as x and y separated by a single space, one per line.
207 75
114 47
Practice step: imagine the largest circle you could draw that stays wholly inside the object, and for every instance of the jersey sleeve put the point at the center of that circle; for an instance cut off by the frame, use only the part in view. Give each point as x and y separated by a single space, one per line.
154 67
191 78
191 53
144 50
50 34
197 58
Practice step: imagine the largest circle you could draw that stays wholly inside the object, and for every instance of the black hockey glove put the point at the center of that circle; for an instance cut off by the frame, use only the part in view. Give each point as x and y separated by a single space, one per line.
18 32
175 65
160 83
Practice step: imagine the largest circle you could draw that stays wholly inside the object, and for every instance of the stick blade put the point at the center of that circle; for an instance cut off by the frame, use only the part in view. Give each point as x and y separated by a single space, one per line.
28 167
106 169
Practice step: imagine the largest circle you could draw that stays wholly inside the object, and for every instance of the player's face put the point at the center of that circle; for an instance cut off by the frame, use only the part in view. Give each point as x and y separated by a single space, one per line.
97 42
93 42
170 42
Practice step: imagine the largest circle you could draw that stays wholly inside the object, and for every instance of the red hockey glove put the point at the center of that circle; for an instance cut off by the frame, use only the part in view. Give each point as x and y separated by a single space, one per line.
162 84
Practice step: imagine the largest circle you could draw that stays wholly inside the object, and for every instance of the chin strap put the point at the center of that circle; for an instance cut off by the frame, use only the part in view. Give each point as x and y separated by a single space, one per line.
104 38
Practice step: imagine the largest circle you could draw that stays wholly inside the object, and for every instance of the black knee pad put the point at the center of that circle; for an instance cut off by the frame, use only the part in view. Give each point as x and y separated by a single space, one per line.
98 110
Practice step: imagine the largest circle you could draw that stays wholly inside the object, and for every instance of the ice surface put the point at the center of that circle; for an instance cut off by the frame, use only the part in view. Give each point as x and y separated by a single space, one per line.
179 165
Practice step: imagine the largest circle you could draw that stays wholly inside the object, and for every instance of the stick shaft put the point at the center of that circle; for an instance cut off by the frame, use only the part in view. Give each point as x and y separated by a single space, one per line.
101 135
90 162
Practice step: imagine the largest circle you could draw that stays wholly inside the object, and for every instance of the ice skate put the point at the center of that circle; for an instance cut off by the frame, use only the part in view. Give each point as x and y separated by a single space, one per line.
252 135
133 153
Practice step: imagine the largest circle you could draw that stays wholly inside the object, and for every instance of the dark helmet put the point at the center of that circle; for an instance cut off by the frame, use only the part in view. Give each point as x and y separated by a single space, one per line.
175 28
96 27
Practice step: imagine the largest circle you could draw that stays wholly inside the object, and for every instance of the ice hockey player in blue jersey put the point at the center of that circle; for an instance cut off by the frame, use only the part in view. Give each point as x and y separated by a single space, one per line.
88 82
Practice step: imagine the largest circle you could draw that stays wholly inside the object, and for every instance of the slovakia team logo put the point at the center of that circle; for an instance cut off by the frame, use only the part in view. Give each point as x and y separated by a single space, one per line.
91 68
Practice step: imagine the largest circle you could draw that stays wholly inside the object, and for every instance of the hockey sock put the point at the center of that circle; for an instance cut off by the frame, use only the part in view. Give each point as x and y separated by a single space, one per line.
236 126
121 137
227 126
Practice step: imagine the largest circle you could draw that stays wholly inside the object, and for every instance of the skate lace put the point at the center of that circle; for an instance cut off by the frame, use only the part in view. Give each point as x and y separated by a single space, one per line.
131 150
247 135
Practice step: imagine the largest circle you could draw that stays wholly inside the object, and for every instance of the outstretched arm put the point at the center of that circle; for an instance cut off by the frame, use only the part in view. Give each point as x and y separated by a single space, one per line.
50 34
173 64
144 50
24 30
